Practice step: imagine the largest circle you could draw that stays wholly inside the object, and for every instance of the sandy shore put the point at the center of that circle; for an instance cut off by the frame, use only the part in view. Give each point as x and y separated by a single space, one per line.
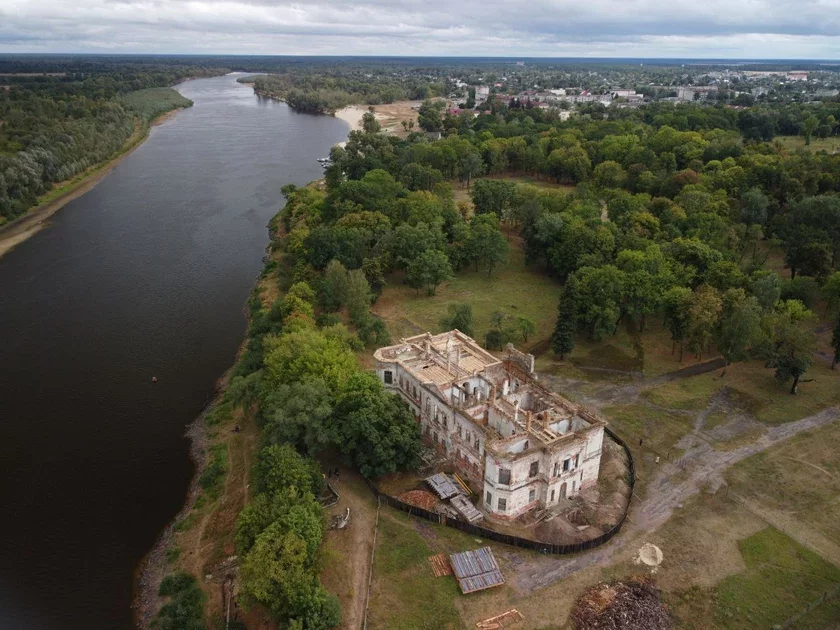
17 231
352 116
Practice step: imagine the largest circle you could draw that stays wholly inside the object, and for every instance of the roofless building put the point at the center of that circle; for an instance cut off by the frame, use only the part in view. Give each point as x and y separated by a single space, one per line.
526 446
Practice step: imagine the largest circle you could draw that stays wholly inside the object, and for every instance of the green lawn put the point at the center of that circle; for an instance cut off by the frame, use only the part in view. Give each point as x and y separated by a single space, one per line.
754 389
817 144
405 593
780 580
659 431
513 288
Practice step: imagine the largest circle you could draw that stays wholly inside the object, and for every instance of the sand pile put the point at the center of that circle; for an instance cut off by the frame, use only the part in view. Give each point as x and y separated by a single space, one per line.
650 555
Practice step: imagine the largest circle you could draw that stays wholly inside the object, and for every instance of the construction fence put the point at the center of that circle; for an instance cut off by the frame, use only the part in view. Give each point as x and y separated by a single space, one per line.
516 541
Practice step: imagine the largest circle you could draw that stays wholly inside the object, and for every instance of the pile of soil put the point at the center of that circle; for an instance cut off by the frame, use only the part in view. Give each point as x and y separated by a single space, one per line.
419 498
628 605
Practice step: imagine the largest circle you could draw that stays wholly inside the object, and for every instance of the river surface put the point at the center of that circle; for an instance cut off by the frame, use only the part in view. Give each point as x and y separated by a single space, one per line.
145 275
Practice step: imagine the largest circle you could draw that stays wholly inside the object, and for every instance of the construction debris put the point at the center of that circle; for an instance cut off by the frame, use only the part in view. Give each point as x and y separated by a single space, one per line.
419 498
504 620
440 565
339 521
443 486
628 605
466 509
476 570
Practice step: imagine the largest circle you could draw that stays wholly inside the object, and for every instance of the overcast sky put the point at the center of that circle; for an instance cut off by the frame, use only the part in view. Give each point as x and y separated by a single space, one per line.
550 28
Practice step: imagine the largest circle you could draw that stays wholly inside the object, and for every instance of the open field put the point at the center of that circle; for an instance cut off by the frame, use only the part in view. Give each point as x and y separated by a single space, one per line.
390 116
462 194
800 478
817 144
754 389
512 288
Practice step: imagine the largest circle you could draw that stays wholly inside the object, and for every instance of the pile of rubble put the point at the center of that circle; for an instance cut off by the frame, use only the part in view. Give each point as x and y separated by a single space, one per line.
631 604
419 498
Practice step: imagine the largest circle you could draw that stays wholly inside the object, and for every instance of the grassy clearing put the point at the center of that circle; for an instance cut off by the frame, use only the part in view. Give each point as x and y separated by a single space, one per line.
817 144
690 393
659 431
406 594
781 579
754 389
462 194
513 288
647 353
801 476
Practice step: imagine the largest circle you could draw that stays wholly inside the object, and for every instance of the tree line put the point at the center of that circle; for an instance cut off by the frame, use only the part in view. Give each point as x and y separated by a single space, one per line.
56 127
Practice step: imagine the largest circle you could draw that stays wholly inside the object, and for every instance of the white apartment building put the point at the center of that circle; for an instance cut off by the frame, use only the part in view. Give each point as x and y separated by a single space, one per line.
525 446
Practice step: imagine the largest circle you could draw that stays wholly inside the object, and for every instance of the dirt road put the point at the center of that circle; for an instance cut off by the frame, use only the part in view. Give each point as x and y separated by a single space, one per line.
701 467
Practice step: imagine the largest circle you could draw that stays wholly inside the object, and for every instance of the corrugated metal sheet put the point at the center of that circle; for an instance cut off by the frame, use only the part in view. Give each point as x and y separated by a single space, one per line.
443 486
466 509
476 570
480 582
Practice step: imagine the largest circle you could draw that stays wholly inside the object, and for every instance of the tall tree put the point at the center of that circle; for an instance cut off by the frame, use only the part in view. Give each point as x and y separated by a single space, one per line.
792 343
740 327
359 296
460 317
835 344
334 286
704 316
526 327
677 302
486 246
563 338
428 270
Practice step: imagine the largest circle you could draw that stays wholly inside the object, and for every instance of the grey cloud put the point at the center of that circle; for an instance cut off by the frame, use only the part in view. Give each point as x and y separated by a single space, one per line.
748 28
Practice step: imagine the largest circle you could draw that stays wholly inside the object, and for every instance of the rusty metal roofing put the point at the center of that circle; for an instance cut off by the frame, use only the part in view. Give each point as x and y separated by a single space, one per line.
476 570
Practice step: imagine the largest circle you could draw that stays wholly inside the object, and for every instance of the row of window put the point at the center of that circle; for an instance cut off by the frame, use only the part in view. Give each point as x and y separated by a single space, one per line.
534 469
502 503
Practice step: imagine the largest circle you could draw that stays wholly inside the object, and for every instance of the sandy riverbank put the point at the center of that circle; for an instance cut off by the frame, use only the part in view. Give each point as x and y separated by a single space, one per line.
17 231
352 115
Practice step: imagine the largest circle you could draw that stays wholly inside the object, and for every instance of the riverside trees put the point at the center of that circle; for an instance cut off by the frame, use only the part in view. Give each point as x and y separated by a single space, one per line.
57 127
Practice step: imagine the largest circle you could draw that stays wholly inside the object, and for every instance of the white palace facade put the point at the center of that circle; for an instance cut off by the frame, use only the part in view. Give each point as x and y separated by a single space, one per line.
524 445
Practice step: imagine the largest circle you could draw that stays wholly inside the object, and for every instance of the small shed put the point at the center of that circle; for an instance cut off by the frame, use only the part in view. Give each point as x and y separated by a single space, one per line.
476 570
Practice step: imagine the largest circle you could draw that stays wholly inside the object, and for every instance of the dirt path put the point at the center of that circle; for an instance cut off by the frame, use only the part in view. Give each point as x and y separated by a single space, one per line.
348 552
674 483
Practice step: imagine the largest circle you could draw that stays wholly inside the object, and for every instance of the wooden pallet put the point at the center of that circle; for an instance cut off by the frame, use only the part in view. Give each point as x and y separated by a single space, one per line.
440 565
504 620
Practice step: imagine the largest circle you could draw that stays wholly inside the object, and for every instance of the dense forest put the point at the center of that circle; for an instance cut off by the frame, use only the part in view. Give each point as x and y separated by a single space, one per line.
55 126
317 92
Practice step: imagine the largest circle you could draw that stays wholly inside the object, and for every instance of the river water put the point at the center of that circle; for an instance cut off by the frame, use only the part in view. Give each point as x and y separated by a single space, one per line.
145 275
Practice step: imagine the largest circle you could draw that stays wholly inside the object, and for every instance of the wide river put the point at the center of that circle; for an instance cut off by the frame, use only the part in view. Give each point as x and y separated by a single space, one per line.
145 275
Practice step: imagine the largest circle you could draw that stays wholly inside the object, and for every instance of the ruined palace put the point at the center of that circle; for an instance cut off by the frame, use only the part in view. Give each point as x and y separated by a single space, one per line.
525 446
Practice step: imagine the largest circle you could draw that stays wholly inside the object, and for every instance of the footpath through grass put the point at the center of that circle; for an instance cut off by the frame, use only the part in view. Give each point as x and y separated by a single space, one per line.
801 476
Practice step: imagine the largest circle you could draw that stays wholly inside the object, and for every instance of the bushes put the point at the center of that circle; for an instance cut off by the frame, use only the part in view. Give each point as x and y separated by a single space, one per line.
215 470
185 608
